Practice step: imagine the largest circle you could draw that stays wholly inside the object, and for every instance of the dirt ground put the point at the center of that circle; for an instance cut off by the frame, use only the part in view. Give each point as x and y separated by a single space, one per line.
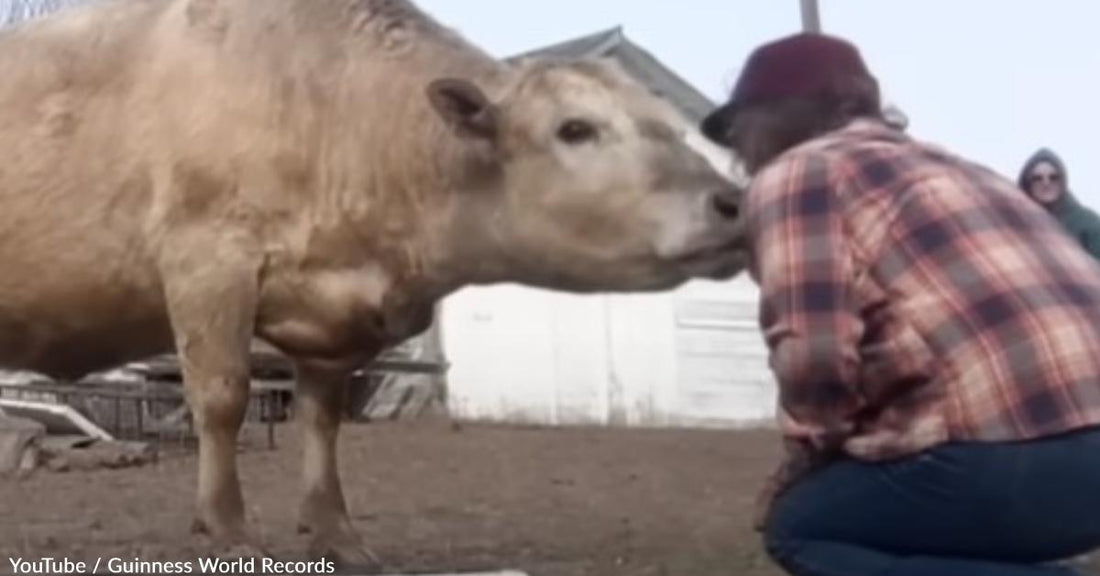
428 496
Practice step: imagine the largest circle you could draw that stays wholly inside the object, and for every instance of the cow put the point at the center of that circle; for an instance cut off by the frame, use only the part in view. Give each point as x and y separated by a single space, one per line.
183 176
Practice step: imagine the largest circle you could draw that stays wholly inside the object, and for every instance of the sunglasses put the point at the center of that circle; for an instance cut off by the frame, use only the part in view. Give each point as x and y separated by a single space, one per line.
1046 177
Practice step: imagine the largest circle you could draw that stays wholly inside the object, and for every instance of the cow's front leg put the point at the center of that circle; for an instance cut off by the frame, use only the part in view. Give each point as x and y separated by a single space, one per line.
212 306
324 513
218 401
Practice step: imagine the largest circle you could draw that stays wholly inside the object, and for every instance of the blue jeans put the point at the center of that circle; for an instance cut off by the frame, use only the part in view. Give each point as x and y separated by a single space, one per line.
958 510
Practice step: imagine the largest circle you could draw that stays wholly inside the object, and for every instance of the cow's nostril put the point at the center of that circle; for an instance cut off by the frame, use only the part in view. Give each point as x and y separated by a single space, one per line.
727 205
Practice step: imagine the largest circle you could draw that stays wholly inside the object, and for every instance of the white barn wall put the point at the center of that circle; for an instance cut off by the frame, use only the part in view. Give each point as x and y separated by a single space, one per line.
722 361
692 357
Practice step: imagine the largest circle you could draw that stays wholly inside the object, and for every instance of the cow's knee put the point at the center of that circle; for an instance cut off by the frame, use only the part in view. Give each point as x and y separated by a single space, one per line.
219 403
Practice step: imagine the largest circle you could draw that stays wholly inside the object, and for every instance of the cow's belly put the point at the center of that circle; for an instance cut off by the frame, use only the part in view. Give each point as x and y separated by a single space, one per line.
72 354
71 329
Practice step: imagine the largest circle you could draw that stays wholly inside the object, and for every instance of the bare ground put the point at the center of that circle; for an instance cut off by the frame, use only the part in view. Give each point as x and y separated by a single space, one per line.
428 496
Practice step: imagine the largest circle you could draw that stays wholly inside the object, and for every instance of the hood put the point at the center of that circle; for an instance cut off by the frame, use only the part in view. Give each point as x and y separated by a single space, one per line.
1045 155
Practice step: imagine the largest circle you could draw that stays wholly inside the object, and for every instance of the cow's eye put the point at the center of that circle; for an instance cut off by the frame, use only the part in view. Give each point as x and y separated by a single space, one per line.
577 131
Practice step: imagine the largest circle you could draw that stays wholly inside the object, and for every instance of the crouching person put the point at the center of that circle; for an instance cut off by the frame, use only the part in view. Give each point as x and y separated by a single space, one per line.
935 337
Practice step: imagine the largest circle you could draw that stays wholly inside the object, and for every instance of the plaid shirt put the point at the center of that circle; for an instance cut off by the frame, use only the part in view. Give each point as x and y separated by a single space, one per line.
911 298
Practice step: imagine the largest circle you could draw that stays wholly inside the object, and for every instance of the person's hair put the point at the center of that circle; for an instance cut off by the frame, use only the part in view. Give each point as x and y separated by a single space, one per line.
760 132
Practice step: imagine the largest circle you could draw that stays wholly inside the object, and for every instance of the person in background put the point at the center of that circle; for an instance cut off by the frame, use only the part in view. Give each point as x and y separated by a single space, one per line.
935 338
1045 180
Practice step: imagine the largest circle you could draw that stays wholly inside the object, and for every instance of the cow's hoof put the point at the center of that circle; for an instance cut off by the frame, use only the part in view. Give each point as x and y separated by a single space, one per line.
344 548
198 526
240 551
230 544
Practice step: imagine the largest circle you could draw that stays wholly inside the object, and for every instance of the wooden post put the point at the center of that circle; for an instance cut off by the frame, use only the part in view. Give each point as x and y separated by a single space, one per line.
118 416
811 17
269 399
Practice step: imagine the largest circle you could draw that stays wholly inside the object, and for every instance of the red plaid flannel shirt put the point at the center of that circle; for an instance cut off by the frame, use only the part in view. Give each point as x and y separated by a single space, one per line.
911 298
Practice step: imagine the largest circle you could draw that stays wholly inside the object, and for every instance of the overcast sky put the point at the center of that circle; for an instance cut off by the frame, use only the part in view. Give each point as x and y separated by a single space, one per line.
990 79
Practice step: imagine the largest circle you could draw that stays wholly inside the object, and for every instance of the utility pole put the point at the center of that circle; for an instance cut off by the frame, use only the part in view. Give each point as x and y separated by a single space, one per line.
811 17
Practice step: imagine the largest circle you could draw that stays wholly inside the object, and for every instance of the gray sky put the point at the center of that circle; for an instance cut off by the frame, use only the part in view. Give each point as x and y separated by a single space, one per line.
990 79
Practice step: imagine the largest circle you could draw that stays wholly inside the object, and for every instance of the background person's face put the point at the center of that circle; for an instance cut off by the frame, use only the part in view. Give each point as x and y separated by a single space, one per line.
1045 183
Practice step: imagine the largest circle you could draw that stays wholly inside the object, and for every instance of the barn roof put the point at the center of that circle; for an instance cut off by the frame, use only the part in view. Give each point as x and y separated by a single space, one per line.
613 43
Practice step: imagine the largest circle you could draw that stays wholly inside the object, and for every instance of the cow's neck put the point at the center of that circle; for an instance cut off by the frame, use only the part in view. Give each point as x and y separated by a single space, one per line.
459 240
415 198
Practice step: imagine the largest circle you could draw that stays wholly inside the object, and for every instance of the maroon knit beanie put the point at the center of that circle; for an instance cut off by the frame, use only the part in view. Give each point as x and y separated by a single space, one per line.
805 65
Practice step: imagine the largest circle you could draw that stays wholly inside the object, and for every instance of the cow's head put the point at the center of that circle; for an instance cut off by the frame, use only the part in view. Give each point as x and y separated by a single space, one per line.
594 186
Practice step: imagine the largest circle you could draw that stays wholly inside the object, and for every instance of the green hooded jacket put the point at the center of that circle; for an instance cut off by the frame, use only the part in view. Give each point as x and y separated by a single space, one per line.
1081 222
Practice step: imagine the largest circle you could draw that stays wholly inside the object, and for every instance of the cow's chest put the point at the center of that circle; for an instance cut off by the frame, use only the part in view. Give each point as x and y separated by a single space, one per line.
339 314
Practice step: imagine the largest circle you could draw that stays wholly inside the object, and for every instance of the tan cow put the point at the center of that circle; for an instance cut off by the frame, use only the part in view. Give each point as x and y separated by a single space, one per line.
189 174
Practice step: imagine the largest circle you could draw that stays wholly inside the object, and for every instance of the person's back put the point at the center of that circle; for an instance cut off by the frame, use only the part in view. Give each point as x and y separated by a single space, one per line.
989 316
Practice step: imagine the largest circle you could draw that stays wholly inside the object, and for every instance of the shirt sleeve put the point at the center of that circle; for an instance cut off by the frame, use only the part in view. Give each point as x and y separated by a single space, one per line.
808 313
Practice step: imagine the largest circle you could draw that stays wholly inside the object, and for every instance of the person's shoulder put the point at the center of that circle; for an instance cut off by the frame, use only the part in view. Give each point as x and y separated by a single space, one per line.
825 150
1088 217
861 139
827 160
794 166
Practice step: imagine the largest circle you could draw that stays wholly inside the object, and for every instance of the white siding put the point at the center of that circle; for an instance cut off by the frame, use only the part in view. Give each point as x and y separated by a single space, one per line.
692 357
722 359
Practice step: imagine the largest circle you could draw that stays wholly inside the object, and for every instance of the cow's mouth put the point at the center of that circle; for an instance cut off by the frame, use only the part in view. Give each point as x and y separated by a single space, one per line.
717 262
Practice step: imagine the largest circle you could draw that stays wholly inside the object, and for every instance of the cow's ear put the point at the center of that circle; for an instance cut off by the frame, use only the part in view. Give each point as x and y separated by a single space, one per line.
464 107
